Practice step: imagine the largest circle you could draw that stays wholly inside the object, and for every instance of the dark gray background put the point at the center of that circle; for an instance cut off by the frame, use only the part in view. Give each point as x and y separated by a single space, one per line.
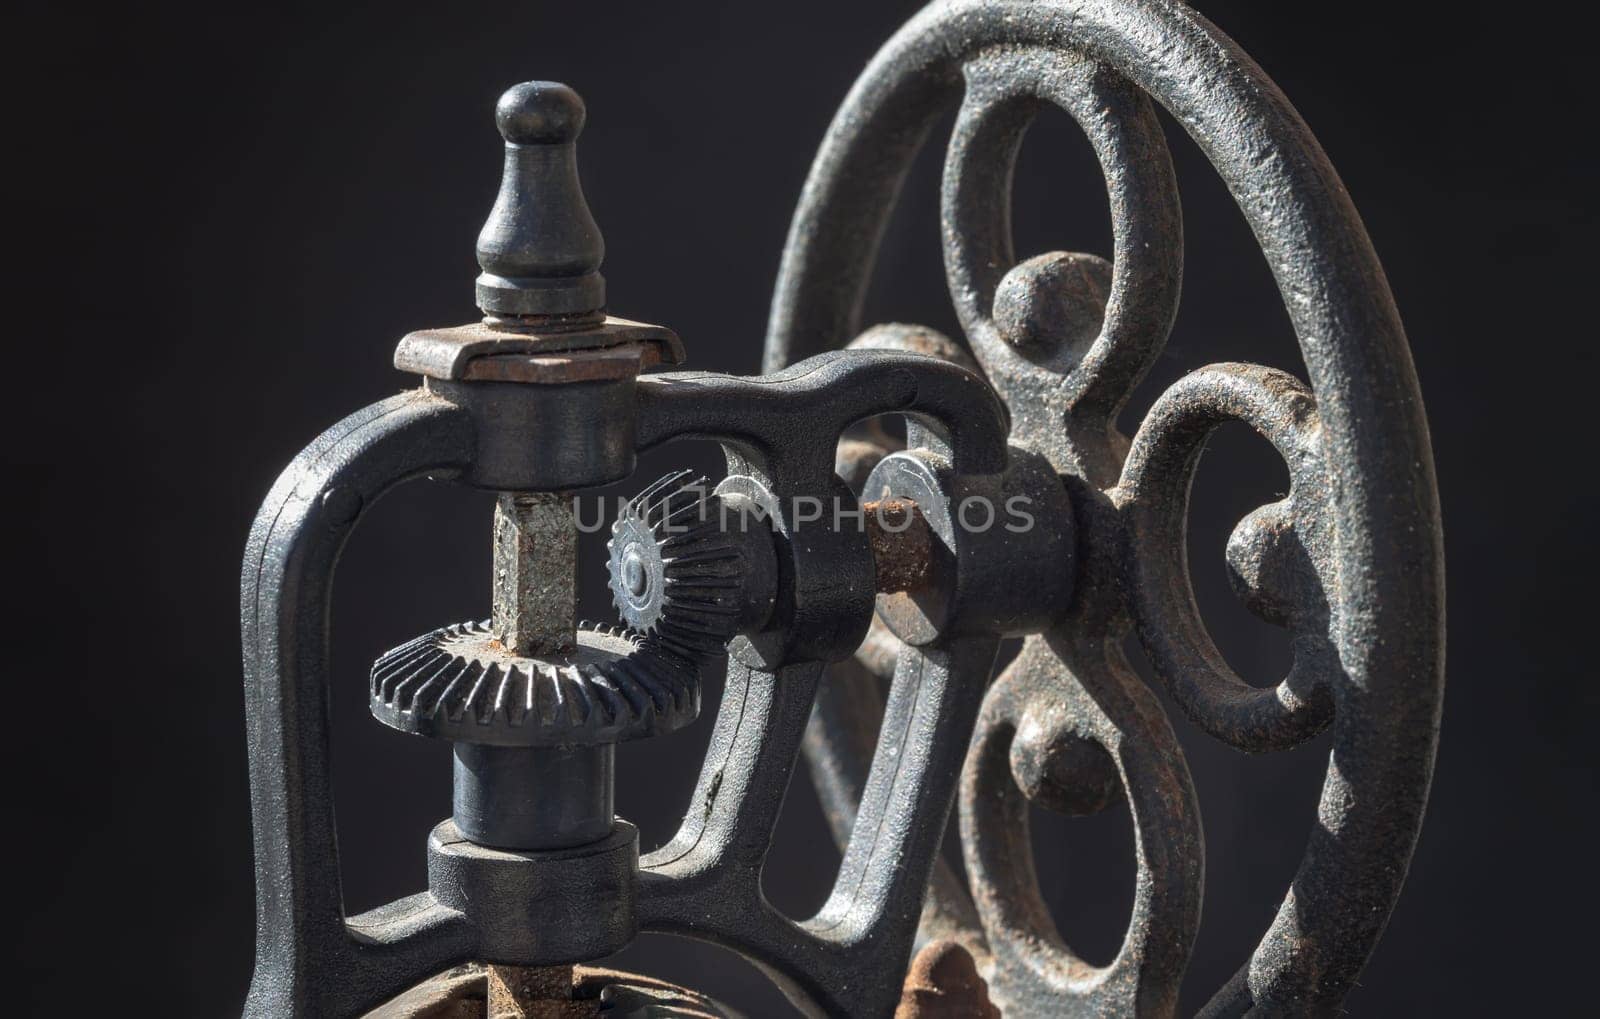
230 214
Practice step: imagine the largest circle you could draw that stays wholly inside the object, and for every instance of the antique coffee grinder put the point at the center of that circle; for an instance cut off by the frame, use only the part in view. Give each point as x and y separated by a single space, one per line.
866 636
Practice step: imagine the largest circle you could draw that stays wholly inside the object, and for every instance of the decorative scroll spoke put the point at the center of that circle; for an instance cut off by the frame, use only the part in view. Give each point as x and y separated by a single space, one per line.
1279 556
842 735
1070 727
1065 337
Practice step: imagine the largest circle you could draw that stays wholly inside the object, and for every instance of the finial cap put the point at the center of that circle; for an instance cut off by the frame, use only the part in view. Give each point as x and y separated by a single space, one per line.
540 113
540 250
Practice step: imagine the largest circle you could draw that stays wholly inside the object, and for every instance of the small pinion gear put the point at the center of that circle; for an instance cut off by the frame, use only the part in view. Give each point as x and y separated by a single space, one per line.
676 573
460 683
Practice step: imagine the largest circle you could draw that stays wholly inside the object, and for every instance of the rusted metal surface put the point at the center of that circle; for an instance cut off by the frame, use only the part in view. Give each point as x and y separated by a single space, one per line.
901 543
535 573
943 983
476 991
455 353
533 992
604 365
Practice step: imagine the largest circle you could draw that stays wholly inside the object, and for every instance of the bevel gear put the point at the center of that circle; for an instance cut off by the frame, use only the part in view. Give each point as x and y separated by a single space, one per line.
690 566
460 683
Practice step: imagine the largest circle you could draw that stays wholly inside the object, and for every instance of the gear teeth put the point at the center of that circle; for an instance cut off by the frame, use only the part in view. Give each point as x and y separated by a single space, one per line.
695 572
458 683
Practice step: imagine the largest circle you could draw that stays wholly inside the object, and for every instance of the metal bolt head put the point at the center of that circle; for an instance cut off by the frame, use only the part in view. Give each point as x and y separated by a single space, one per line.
634 576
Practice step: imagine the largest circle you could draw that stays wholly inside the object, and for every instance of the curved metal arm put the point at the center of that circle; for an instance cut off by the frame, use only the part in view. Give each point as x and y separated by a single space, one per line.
314 961
310 959
706 883
792 418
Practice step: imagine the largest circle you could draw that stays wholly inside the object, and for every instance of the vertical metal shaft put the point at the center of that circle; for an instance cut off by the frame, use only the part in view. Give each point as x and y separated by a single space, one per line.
534 798
533 992
535 570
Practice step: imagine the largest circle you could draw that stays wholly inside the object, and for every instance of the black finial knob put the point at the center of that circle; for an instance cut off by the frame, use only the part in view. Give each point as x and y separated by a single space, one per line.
540 250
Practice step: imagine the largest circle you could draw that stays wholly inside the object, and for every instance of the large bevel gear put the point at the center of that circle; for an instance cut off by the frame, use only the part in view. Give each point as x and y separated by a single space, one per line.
677 567
459 683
